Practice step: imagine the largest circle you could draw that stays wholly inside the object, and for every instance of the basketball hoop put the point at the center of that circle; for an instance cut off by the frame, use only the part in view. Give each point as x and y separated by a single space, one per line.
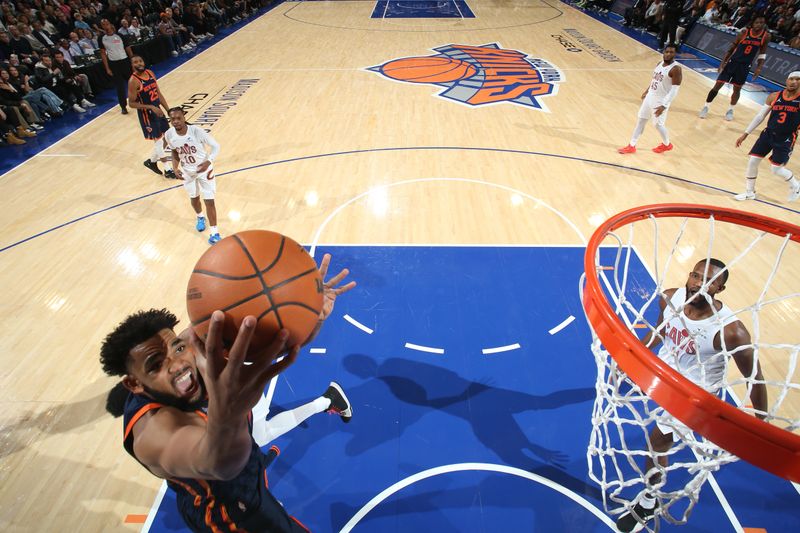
631 377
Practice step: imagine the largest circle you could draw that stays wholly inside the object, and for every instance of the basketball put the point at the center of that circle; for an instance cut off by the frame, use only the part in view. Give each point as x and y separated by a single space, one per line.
428 69
259 273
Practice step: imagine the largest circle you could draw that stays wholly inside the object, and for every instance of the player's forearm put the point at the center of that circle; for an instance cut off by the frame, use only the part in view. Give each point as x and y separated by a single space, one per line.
175 161
758 397
225 448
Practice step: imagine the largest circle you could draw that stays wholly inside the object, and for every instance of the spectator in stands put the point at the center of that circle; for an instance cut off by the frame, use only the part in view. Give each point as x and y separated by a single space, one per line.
62 24
70 76
5 46
42 36
45 101
78 22
136 29
671 15
166 33
7 131
12 99
88 41
652 17
47 76
21 46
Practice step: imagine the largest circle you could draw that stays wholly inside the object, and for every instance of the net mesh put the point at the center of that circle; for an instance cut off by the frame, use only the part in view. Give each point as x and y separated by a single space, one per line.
635 265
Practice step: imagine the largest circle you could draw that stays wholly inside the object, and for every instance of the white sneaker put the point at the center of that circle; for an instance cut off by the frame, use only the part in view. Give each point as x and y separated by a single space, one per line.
794 193
174 53
87 103
703 112
78 108
729 115
745 196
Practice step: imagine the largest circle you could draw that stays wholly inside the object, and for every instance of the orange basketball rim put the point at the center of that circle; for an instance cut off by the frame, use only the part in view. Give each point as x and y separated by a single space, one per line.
769 447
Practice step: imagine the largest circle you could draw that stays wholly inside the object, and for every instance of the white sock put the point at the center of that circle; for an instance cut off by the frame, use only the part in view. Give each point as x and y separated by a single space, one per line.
664 134
637 131
647 501
200 215
213 230
265 431
750 185
730 107
158 151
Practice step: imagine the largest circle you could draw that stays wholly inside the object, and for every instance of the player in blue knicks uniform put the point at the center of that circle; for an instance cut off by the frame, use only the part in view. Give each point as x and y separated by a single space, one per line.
187 414
146 98
778 137
750 43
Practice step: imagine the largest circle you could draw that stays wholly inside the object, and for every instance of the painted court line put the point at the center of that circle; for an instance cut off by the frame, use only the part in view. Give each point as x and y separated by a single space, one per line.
507 348
427 349
318 350
561 326
60 155
358 324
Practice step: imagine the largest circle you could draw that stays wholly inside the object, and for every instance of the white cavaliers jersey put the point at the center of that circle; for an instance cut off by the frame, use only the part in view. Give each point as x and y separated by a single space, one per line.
660 84
191 147
688 345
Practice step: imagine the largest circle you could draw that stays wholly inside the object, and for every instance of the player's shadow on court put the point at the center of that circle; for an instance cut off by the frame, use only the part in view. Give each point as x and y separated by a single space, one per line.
489 410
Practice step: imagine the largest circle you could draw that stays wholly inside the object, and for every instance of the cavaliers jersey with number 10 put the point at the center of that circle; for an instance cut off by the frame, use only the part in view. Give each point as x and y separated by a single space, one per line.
785 116
748 47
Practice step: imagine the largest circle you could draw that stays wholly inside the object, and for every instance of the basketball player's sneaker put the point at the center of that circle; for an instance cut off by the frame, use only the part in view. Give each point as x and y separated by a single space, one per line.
87 104
703 112
627 150
661 148
201 224
340 405
794 192
170 174
729 115
745 196
152 166
635 519
214 238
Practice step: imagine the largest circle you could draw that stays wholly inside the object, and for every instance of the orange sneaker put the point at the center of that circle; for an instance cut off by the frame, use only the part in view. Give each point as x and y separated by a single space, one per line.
661 148
627 150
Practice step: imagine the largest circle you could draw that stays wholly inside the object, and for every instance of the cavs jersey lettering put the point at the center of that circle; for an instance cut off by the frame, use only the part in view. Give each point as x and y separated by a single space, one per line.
785 116
661 84
748 48
191 146
688 345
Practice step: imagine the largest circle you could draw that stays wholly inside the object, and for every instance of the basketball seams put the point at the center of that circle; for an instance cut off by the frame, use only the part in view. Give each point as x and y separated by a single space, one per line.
259 274
223 276
293 278
230 307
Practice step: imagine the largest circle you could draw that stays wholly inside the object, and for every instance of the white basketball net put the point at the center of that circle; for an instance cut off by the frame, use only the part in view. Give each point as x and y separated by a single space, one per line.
762 292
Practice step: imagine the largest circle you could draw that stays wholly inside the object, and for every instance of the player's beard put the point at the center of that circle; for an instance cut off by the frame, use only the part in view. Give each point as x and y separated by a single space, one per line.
698 300
179 403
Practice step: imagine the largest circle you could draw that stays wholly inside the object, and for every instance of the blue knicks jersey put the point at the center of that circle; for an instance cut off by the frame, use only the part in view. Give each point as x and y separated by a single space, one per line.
148 89
784 119
748 48
242 504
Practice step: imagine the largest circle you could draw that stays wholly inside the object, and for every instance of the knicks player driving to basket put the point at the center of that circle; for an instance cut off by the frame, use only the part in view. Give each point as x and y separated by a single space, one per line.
656 99
188 145
697 334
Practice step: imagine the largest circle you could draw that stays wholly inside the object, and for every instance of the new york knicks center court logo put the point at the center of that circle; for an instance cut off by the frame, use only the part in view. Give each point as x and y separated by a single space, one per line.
479 75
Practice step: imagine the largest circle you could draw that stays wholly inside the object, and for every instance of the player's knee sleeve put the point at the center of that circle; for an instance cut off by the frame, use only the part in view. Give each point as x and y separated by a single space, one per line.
752 166
781 171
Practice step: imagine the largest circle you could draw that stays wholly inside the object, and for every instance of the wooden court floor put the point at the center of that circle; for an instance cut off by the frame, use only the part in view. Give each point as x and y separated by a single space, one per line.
323 150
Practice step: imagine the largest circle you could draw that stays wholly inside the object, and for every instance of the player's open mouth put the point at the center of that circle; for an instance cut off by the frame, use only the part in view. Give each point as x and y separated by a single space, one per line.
185 384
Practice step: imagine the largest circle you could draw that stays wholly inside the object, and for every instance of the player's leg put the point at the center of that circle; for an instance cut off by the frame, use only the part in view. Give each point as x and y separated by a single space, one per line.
781 152
157 153
332 400
711 95
642 116
660 124
208 187
739 79
661 440
759 151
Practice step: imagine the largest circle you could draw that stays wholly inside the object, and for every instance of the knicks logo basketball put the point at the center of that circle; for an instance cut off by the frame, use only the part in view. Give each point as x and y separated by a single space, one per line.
479 75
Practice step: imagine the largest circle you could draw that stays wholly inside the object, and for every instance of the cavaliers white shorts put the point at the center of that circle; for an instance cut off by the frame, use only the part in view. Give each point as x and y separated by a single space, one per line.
647 111
196 183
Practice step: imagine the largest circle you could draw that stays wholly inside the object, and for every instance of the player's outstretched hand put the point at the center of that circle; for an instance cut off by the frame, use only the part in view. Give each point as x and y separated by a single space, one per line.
741 139
330 288
233 388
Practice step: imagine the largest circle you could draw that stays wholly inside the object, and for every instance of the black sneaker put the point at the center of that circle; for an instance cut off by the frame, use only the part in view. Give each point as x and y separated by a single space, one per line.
340 405
635 519
152 166
124 111
170 174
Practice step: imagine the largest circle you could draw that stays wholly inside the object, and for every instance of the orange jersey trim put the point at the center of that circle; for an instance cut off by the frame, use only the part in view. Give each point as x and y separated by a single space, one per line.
139 414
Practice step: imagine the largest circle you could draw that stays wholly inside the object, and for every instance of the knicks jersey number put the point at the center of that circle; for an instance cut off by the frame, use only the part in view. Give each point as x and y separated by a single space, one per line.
748 49
153 94
781 117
